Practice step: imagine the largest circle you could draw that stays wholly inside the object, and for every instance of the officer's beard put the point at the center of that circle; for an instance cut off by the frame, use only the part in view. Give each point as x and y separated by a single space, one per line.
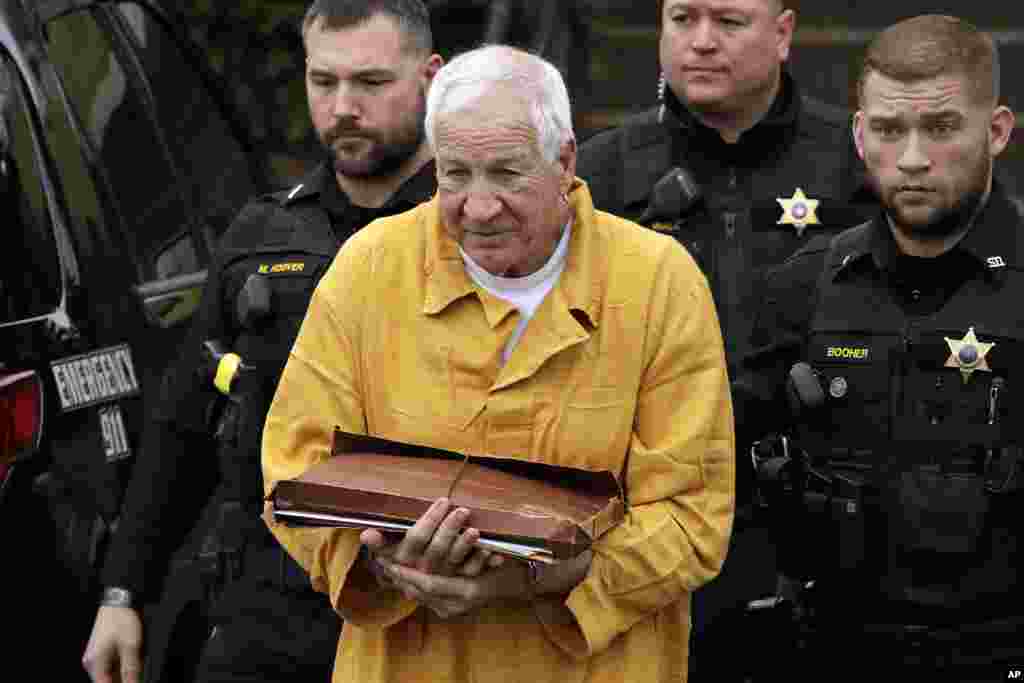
383 156
947 221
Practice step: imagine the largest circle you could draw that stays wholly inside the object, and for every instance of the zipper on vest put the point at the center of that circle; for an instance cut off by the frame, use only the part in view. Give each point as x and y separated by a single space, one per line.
729 219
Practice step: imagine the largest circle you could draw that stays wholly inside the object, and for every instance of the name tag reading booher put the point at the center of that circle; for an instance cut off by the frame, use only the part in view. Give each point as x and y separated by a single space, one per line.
95 377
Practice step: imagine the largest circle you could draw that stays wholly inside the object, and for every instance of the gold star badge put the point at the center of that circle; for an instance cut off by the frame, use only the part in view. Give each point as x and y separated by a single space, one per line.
799 211
968 354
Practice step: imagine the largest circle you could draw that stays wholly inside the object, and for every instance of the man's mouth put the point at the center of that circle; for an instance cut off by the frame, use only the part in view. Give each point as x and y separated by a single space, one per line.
347 136
487 233
703 70
912 189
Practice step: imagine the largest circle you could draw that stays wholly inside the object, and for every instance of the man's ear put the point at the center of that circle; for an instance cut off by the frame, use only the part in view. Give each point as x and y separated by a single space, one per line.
430 69
567 163
858 133
1001 129
785 25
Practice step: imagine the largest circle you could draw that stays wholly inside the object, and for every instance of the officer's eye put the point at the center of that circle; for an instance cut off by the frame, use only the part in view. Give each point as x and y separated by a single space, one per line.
681 19
322 82
887 130
941 129
732 22
374 82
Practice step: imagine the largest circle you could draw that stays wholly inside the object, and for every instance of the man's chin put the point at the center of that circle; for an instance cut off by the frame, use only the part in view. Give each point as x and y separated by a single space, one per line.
706 98
924 222
352 168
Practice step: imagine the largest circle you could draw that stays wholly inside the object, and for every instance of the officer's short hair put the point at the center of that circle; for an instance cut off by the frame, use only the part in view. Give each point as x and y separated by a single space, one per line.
779 5
411 15
932 45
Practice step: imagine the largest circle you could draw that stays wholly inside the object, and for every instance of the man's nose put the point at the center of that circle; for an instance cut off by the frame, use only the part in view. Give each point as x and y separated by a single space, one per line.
914 159
346 103
704 38
481 206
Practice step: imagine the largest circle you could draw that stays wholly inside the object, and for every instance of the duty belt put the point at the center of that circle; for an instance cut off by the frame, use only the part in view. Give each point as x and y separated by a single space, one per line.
271 564
945 633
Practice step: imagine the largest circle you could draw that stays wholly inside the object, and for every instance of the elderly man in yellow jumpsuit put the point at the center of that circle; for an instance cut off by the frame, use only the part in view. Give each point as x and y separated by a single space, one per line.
508 316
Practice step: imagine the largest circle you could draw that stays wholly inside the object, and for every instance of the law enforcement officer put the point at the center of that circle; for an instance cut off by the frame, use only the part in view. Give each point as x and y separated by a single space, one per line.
368 67
901 339
742 168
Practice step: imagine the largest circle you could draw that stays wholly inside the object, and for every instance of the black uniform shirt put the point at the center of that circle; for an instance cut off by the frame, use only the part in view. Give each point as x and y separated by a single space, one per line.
868 259
177 468
347 218
920 285
736 231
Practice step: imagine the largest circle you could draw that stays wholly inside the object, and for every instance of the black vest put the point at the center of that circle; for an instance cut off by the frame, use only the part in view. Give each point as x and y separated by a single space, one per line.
923 463
293 254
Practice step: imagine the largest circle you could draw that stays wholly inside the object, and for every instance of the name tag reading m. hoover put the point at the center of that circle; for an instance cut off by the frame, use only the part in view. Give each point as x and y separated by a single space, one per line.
95 377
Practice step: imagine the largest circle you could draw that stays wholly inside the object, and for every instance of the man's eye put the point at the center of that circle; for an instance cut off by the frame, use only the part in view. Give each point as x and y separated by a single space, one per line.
732 22
681 19
374 82
888 130
942 129
323 82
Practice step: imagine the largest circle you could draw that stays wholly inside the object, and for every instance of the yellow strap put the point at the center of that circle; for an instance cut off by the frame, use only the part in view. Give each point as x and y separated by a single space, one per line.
226 370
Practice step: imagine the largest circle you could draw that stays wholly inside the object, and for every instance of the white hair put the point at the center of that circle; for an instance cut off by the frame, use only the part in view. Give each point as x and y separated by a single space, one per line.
467 77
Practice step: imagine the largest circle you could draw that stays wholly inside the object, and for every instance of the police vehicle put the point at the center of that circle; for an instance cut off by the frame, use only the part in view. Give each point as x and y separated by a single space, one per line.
120 164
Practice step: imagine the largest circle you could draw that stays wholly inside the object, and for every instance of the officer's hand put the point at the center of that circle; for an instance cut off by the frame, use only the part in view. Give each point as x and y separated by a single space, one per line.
438 543
113 654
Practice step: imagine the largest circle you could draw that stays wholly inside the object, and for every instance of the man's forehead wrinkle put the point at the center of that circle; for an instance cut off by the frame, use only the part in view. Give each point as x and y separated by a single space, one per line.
919 97
335 59
711 5
462 134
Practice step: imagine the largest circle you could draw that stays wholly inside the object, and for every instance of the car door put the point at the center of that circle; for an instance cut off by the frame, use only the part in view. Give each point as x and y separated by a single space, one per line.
164 165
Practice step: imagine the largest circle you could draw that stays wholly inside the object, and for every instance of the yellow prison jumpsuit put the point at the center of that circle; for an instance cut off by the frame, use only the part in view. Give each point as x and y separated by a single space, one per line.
625 353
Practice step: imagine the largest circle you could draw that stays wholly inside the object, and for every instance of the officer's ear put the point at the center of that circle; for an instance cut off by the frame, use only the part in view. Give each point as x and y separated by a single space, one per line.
858 133
785 25
1000 129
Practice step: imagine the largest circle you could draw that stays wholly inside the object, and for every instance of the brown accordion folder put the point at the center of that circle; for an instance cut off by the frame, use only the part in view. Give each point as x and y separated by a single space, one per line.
525 509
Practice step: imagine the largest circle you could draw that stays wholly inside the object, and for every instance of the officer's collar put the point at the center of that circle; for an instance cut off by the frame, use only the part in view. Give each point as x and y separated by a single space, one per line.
991 241
783 113
321 182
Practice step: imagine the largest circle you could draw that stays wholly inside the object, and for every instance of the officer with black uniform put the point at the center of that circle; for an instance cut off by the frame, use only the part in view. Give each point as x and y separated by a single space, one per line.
368 69
900 345
742 168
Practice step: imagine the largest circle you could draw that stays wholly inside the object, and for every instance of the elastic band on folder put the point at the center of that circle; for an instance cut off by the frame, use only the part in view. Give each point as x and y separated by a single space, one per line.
458 475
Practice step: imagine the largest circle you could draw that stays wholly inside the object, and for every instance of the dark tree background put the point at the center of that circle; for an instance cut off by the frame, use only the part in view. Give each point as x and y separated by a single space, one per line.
255 48
607 49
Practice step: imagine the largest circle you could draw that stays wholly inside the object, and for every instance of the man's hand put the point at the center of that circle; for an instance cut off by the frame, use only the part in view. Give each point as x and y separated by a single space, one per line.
113 654
450 596
438 543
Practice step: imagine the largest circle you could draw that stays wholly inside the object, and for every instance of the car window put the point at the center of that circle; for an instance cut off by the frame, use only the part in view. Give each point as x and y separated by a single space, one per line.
108 101
30 280
213 161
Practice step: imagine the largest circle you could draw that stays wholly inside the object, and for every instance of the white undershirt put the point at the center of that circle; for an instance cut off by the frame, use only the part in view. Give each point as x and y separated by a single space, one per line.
524 293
